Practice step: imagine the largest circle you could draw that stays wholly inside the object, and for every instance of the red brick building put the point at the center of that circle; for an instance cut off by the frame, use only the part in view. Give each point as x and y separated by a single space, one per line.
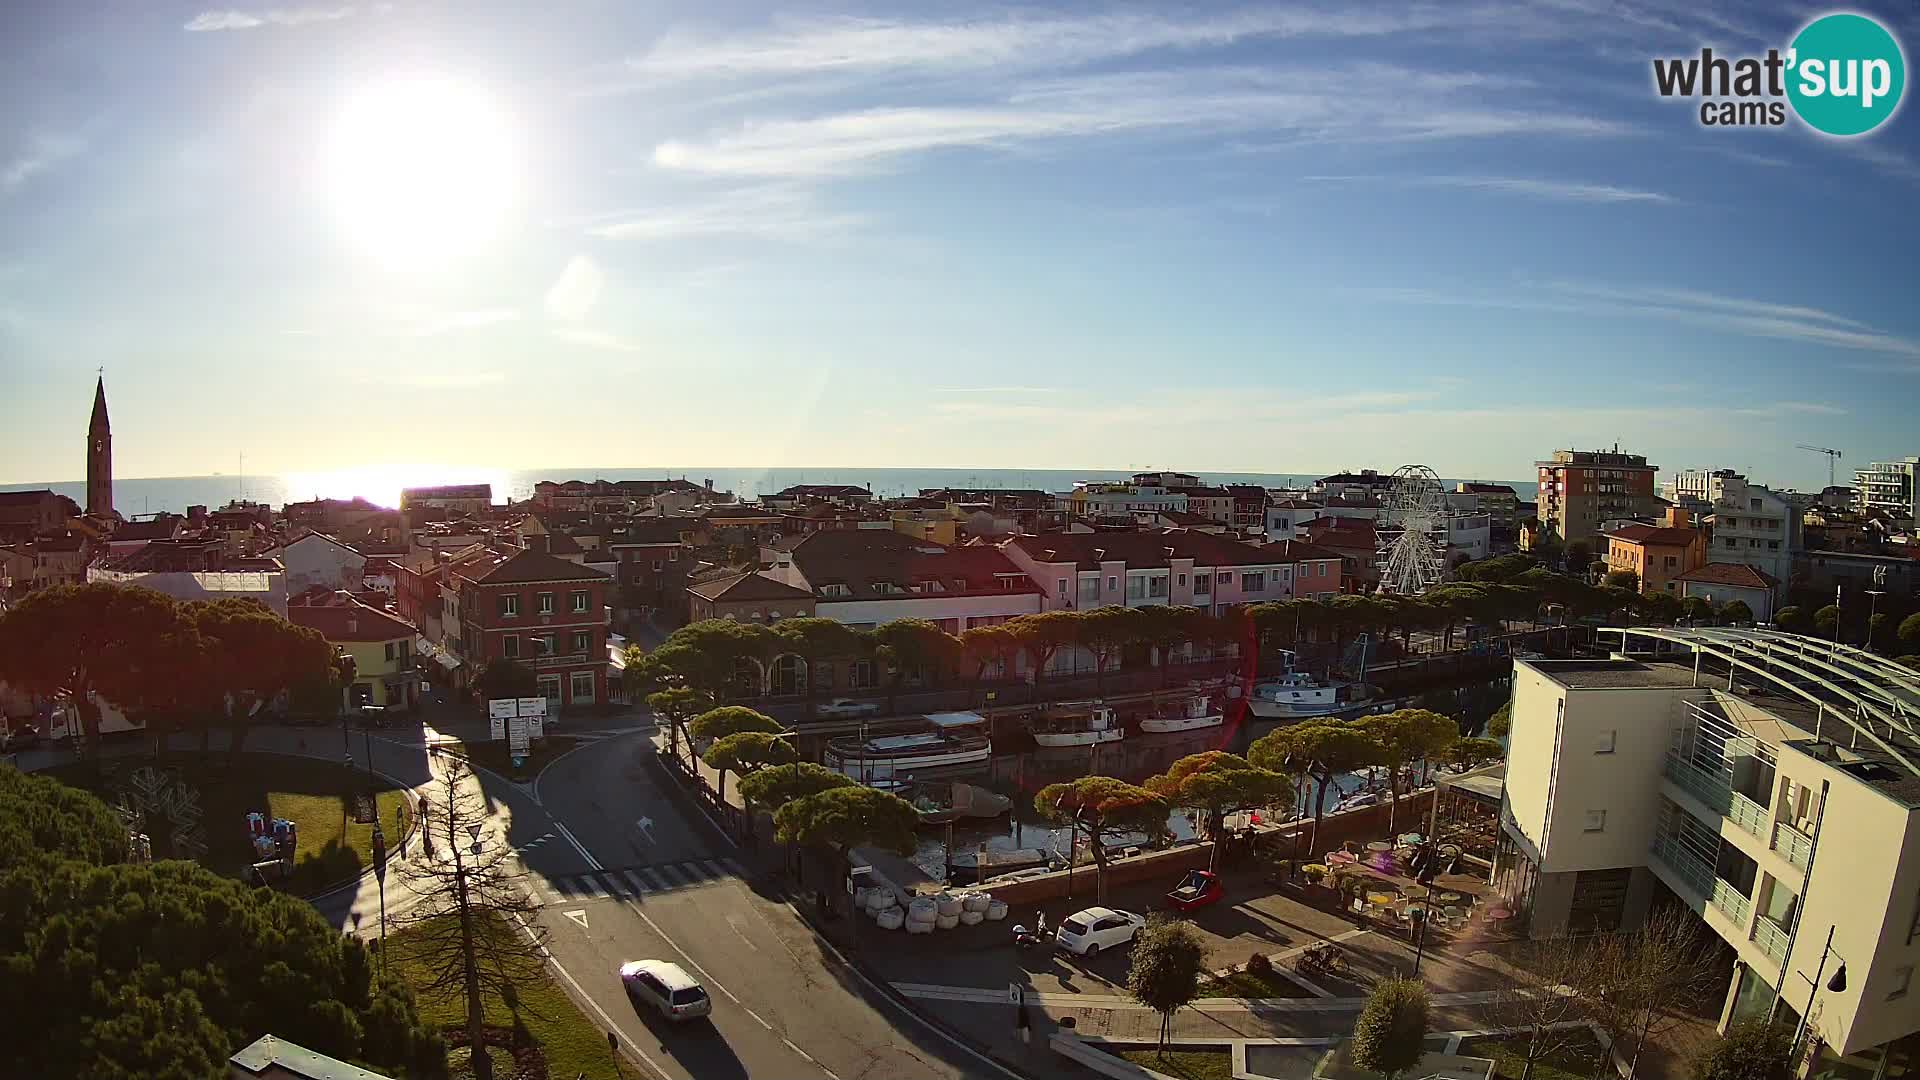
653 555
539 610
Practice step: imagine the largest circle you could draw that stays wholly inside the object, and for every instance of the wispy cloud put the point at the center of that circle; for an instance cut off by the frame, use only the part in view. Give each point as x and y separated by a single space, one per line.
1529 187
577 289
454 322
595 339
233 19
1361 103
769 210
41 152
1791 408
1737 315
878 46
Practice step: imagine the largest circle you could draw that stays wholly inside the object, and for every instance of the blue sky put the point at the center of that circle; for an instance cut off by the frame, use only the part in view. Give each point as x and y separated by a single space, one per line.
1213 237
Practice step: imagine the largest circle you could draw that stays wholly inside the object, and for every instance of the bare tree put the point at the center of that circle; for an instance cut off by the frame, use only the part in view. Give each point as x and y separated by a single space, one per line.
1643 982
1543 1001
473 905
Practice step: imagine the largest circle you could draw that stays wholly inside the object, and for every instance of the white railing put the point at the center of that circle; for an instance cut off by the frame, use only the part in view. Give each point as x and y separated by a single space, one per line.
1793 845
1701 878
1718 796
1771 937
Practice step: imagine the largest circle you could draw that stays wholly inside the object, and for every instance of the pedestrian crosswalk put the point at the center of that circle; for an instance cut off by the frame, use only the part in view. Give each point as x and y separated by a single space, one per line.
636 881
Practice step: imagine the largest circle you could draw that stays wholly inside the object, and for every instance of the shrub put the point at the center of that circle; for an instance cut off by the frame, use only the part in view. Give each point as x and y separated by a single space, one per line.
1259 965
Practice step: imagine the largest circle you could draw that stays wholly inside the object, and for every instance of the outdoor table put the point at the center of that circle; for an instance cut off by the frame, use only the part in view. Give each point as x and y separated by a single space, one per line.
1499 914
1415 892
1381 899
1449 897
1379 846
1450 850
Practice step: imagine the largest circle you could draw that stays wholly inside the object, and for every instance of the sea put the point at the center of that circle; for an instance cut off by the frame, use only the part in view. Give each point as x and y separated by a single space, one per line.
137 496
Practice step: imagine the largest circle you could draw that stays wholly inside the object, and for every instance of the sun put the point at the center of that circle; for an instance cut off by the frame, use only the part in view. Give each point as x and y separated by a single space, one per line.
422 169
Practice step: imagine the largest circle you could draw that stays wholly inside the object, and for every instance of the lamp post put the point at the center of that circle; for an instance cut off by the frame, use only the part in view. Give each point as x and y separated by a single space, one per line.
380 876
1419 914
1873 602
1837 984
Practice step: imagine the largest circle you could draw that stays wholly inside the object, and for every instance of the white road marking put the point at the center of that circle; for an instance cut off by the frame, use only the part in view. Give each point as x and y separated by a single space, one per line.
653 880
593 885
578 915
634 879
733 922
757 1016
734 868
580 994
673 875
797 1050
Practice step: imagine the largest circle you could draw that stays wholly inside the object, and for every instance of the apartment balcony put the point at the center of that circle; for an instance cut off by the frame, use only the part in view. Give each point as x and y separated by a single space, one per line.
1713 790
1700 878
1772 939
1792 845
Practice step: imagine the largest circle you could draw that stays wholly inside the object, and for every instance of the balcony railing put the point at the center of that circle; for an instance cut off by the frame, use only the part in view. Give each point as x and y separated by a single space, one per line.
1701 878
1793 845
1771 937
1714 791
556 660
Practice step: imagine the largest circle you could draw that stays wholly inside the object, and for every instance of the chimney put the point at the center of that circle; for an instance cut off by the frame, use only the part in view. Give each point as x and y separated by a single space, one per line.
1679 518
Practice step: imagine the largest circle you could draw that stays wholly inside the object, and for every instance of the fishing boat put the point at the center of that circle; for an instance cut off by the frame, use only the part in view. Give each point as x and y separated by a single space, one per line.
1076 723
1193 712
939 802
942 740
1297 694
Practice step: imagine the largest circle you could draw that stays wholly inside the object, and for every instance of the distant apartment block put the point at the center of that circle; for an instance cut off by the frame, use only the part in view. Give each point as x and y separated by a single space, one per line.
1499 502
1887 486
470 499
1581 489
1766 781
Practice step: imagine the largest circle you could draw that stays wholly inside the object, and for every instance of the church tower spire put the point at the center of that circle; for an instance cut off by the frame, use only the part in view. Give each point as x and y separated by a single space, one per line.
100 455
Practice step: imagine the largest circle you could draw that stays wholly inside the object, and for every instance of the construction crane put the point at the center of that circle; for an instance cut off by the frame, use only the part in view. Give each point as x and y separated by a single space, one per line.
1833 459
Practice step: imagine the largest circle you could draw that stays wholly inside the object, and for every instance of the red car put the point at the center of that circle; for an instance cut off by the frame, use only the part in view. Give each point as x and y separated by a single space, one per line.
1200 888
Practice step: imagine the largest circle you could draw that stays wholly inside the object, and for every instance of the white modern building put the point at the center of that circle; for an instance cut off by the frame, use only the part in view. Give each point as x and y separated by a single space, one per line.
1887 486
1767 781
1752 524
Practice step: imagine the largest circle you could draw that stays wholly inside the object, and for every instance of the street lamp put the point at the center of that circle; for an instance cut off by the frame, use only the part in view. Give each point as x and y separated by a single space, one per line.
1837 984
1418 913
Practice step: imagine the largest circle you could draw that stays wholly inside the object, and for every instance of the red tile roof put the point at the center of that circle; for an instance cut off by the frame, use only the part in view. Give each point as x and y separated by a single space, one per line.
348 621
1654 535
525 567
1140 550
747 587
1740 575
1289 551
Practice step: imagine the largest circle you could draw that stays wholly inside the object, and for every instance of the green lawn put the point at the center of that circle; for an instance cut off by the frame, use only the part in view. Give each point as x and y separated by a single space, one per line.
572 1044
312 793
1508 1052
1245 984
1189 1064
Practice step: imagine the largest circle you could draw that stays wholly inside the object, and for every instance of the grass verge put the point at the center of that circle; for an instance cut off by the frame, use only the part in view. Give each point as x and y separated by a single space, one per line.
1246 984
573 1046
1188 1064
1574 1062
316 795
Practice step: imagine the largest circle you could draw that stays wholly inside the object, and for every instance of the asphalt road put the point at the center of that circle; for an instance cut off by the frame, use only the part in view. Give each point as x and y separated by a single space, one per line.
668 886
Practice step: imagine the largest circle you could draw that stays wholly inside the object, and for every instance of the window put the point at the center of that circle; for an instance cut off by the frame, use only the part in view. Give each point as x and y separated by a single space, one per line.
1202 584
1136 588
1596 821
835 589
674 555
1060 587
1773 545
390 650
544 603
509 605
1323 569
543 644
1253 581
582 641
1226 577
582 687
1113 584
510 646
1603 743
580 601
1183 581
1753 504
550 687
658 566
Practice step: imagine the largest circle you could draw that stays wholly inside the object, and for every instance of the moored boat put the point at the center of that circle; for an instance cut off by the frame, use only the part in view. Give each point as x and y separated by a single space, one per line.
1298 694
1188 714
943 740
1076 723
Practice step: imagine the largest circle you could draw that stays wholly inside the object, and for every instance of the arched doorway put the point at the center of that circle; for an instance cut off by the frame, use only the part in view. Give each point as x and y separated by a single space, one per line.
789 674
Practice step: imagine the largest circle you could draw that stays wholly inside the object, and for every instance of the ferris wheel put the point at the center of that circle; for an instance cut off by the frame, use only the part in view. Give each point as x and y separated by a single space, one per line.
1412 536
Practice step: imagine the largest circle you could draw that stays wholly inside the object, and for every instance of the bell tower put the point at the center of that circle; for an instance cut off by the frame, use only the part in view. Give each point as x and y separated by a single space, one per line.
100 455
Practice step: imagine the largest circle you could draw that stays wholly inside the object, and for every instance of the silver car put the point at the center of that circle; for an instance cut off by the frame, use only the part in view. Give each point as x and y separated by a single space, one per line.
666 987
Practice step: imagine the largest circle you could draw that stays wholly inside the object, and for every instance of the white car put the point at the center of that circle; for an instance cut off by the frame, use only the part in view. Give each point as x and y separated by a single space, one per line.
849 709
666 987
1096 928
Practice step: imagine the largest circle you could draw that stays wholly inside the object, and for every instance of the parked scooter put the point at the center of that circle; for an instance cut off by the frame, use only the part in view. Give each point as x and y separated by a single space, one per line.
1027 939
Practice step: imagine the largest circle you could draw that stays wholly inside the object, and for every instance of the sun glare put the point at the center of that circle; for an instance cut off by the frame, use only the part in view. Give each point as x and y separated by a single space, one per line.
382 484
422 169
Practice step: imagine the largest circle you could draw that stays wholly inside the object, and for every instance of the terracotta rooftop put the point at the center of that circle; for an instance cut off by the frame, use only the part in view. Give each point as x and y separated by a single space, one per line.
525 566
747 587
880 563
1654 535
342 618
1740 575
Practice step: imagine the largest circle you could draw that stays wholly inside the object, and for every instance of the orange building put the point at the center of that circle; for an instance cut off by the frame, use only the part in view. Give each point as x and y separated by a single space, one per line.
1657 553
1581 489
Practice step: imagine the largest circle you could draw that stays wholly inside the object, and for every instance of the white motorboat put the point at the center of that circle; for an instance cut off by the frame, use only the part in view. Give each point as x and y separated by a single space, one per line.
1077 723
946 739
1194 712
1297 694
